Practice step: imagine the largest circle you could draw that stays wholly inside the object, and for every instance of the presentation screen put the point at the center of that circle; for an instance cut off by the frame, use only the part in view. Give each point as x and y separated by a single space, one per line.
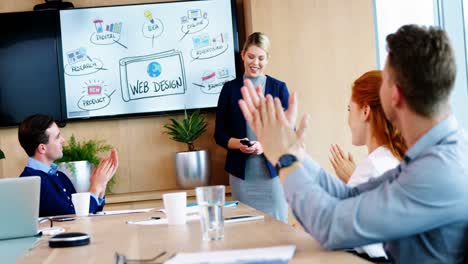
147 58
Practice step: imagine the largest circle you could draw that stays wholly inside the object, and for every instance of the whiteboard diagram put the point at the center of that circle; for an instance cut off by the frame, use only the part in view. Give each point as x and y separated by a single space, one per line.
146 58
159 80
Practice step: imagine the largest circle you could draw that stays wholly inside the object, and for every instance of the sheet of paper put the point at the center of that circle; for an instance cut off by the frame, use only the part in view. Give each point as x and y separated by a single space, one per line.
193 217
116 212
276 255
373 250
162 221
226 204
192 208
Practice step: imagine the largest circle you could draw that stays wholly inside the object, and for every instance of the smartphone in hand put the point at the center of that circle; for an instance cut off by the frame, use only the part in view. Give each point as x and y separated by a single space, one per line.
246 142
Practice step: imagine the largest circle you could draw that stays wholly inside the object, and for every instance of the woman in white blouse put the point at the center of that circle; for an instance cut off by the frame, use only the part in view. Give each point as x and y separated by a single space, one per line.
369 127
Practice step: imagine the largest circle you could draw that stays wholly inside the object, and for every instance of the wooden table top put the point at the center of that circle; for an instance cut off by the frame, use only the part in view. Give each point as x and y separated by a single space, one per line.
111 234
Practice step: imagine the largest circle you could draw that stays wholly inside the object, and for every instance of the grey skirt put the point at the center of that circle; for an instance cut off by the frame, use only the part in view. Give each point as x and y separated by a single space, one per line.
262 193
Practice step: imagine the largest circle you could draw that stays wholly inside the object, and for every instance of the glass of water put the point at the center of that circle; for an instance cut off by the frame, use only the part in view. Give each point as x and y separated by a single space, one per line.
210 201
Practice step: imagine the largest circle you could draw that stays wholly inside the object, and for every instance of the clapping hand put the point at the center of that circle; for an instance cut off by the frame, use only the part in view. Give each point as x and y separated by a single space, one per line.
103 173
290 113
343 164
274 131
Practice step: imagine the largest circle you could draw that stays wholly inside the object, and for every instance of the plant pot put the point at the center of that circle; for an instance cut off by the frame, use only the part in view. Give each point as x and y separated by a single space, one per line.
192 168
79 172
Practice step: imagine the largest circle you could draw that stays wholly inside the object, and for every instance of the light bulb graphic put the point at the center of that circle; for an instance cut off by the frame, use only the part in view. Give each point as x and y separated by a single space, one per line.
149 16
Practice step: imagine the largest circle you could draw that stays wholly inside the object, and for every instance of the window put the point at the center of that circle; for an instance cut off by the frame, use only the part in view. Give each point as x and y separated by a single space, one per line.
390 15
452 15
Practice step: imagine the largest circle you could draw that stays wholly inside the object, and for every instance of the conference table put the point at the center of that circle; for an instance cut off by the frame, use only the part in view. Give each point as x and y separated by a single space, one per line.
110 234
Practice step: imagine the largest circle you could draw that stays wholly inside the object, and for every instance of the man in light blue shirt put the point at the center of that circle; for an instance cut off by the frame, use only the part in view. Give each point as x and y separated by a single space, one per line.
419 209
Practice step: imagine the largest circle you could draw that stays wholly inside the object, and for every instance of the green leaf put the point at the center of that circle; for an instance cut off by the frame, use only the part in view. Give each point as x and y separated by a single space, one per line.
189 129
2 155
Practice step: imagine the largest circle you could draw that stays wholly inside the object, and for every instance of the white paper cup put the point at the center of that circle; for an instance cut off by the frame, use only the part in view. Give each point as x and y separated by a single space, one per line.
81 203
176 207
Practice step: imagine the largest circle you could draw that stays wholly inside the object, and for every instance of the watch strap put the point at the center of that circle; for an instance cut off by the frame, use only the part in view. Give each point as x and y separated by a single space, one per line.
284 161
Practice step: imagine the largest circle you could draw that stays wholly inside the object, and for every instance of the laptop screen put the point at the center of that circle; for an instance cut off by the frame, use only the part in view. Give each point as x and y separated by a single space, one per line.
19 206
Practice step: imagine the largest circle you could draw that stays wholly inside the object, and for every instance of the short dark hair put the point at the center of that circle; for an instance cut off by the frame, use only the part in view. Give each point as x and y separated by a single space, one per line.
32 132
423 65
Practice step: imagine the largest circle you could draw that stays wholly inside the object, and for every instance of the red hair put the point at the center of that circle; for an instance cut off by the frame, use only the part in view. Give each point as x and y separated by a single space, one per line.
365 92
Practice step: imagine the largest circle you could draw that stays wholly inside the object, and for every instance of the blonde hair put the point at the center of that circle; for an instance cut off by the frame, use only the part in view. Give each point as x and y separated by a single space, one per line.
258 39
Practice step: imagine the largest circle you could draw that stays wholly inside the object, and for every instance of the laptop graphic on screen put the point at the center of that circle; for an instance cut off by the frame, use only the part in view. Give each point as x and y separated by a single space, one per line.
19 206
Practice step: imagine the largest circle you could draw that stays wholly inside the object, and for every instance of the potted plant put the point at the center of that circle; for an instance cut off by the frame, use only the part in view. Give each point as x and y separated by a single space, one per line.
79 159
192 166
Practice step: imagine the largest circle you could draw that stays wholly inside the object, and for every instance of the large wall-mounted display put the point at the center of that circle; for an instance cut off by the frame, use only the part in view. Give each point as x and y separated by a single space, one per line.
146 58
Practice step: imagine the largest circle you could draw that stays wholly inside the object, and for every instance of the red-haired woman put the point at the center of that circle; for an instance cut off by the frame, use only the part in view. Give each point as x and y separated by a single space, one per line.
369 127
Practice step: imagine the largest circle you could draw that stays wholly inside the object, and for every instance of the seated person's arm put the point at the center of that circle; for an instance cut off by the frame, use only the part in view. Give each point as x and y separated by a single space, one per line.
96 204
371 216
332 185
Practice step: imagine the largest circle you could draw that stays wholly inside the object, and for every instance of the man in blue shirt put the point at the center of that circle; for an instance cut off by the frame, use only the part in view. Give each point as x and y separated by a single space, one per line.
419 209
40 137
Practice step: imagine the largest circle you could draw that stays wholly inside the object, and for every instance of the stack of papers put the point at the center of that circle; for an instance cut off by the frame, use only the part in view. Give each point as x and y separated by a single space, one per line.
269 255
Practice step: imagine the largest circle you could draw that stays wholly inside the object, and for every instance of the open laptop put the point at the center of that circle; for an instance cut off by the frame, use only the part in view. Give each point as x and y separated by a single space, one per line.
19 206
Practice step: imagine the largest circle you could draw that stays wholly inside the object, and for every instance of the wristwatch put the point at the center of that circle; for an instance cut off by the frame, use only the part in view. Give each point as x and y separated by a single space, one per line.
284 161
